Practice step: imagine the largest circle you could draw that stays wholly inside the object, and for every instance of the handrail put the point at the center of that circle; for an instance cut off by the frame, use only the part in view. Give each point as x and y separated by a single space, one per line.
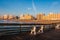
23 24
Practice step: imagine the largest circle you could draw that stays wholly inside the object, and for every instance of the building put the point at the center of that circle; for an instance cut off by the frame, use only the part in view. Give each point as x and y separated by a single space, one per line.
52 16
26 17
5 17
10 17
1 17
39 16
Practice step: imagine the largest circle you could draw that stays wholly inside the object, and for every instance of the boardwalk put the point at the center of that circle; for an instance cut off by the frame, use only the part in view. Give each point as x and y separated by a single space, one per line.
50 35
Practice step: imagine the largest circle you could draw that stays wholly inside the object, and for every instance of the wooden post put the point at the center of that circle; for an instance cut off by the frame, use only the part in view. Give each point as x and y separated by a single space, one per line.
41 29
33 30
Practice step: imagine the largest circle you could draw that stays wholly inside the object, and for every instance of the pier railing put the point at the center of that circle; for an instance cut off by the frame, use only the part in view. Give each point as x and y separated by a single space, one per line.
32 29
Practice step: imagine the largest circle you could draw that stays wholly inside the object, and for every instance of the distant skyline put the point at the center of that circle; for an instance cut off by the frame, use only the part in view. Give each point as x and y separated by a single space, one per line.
17 7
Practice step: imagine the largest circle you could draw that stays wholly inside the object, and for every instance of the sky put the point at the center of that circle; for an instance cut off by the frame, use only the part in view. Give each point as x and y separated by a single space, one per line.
33 7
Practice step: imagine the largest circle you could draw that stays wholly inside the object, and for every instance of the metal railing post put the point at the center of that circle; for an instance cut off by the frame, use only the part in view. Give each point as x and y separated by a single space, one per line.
20 28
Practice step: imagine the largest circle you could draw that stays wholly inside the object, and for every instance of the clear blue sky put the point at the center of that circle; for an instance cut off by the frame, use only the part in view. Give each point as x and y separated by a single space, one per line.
17 7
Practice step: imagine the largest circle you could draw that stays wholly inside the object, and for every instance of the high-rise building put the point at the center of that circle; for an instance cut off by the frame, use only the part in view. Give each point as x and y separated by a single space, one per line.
5 16
52 16
1 17
39 16
10 17
26 16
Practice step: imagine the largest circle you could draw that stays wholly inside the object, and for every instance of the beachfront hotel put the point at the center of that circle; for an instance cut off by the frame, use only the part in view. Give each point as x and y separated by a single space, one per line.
51 16
6 17
1 17
26 17
39 16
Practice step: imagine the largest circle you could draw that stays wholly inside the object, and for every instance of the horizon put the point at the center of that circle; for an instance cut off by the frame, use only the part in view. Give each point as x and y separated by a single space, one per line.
17 7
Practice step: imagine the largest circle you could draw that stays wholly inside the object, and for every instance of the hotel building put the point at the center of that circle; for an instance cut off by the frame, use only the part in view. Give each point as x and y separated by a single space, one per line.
26 17
52 16
39 16
6 17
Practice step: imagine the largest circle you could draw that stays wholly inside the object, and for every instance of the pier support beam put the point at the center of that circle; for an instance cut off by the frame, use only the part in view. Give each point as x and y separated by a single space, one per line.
41 29
33 30
57 26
